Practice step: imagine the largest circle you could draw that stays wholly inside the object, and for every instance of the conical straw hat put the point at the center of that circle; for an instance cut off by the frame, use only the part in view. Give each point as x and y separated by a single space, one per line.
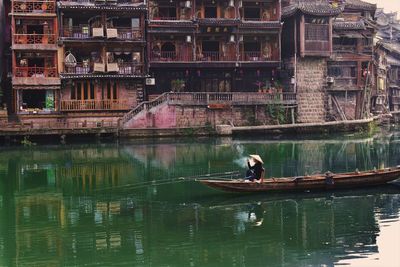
257 157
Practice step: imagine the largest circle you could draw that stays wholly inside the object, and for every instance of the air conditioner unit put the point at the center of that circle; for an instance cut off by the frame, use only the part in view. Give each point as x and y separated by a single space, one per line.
231 3
188 39
188 4
150 81
240 38
330 80
232 39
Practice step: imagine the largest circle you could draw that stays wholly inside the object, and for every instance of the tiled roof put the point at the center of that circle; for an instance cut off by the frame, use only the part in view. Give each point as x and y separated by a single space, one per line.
260 24
391 46
358 4
349 25
312 8
392 61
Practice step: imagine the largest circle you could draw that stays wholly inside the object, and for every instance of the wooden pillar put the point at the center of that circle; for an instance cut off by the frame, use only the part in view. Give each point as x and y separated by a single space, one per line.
302 36
359 73
330 36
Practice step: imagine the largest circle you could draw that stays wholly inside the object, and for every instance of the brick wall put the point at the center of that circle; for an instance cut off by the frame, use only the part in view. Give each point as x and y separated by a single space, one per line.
311 98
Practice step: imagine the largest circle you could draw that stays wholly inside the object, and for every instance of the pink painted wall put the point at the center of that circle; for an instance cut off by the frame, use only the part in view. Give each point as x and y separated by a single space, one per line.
163 116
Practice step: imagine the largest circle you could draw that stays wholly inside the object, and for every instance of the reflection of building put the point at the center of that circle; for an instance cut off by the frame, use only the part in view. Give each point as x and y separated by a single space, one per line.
39 223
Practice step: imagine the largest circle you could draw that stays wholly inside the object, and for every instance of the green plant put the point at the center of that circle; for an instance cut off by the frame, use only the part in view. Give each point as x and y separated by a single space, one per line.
49 102
188 131
276 112
27 142
177 85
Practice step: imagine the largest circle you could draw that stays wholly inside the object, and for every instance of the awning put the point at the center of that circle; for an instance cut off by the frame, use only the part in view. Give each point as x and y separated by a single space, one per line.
348 35
392 61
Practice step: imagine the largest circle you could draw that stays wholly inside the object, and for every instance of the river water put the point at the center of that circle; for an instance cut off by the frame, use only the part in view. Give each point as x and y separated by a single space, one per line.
137 204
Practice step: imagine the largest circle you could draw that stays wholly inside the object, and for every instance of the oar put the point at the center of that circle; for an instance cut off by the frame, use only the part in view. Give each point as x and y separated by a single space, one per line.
222 176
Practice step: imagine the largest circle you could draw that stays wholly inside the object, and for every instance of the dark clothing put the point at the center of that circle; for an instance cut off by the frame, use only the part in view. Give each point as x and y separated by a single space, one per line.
254 171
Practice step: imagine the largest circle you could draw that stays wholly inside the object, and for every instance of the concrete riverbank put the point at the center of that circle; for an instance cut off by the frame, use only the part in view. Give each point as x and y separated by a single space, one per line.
17 134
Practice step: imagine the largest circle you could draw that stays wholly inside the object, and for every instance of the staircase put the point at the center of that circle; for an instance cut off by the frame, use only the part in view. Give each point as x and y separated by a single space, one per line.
339 108
146 105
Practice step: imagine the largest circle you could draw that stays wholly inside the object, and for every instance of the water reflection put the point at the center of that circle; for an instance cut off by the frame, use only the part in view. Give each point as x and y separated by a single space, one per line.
81 205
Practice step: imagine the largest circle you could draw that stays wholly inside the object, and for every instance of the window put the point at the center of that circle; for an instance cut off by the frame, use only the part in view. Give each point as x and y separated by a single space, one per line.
112 90
83 90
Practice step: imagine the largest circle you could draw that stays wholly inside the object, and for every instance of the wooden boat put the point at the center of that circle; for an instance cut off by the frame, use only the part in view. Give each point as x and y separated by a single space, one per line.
327 181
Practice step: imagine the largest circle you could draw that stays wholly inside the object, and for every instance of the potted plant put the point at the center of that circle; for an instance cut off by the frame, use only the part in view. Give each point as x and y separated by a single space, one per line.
177 85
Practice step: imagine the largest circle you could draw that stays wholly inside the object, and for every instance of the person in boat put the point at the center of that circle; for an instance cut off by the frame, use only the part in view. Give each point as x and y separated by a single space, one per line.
255 165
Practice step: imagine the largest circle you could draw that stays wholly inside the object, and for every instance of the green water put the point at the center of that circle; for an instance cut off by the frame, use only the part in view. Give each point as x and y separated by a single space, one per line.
125 205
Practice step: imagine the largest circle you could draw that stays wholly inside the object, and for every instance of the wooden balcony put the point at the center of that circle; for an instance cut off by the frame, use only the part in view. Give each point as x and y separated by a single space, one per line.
171 56
345 48
256 56
100 2
215 56
395 100
34 7
35 72
34 39
317 41
122 68
94 105
116 33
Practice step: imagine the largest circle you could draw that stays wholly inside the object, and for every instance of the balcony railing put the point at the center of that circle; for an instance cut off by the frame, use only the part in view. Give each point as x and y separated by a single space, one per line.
345 82
82 105
123 68
36 72
395 100
170 56
231 98
34 38
128 68
123 33
22 6
208 56
344 48
129 33
102 2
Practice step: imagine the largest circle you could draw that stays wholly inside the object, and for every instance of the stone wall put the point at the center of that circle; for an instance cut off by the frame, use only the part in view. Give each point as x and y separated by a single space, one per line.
169 116
311 98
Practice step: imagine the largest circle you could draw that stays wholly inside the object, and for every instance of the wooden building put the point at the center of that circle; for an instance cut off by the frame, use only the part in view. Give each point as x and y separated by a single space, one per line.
214 46
328 50
307 46
35 80
351 71
102 60
389 54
